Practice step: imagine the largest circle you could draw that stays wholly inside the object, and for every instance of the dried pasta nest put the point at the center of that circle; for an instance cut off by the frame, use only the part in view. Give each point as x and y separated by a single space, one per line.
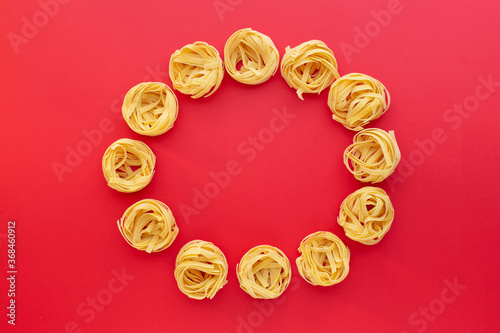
324 259
128 165
356 99
196 70
150 108
366 215
264 272
200 269
373 155
148 225
310 67
257 54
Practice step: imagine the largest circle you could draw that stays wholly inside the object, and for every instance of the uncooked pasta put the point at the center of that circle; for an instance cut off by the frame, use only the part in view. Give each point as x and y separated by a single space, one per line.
196 70
309 67
256 54
366 215
200 269
150 108
128 165
264 272
148 225
324 259
356 99
373 155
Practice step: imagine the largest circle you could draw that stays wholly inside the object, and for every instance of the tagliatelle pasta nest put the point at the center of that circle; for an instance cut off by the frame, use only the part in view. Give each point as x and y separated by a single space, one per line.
324 259
309 67
373 155
196 70
264 272
366 215
128 165
200 269
148 225
356 99
150 108
257 54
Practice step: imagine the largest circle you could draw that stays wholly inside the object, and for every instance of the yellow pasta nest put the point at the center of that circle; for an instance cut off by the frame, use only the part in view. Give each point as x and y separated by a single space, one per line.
150 108
373 155
196 70
128 165
310 67
356 99
264 272
324 259
148 225
366 215
200 269
257 54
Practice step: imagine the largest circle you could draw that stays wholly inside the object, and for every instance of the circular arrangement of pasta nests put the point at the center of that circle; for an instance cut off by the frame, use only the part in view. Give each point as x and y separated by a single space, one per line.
373 155
257 54
150 108
128 165
196 70
309 67
264 272
148 225
366 215
200 269
356 99
324 259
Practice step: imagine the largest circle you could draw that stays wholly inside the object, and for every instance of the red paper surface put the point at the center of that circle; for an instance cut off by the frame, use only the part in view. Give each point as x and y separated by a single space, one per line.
66 66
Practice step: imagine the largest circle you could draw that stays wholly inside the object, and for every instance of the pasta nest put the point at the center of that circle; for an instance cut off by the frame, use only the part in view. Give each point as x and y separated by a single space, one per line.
196 70
309 67
264 272
373 155
200 269
128 165
324 259
356 99
150 108
366 215
257 53
148 225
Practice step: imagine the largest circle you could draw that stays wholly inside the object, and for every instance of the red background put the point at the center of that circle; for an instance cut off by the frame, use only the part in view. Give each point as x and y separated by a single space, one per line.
73 73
